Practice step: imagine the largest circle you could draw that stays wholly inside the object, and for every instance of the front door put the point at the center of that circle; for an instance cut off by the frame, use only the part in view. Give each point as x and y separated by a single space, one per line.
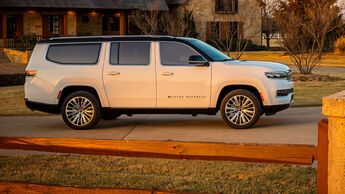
129 75
180 84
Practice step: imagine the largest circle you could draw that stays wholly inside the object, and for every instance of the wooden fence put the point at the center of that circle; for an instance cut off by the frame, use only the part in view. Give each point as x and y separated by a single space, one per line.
244 152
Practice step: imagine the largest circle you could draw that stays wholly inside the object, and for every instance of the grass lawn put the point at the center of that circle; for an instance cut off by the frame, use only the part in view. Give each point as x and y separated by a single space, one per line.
182 175
328 60
311 93
12 102
307 94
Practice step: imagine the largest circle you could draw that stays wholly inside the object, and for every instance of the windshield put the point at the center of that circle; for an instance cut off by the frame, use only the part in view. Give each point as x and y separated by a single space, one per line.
210 51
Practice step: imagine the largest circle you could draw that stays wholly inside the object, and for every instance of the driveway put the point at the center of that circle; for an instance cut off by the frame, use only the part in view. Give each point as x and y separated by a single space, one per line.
292 126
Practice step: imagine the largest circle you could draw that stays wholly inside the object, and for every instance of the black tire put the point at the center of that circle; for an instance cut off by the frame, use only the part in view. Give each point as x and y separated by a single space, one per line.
73 104
110 116
247 112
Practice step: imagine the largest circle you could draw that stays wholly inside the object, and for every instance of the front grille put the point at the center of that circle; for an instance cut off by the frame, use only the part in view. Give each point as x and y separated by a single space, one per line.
284 92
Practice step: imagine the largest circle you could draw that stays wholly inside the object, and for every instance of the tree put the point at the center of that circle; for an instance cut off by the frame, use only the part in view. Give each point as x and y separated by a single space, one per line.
268 24
304 26
147 20
176 22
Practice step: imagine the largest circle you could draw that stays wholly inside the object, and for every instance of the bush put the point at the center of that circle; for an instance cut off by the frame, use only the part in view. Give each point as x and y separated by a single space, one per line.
339 45
12 79
27 42
250 45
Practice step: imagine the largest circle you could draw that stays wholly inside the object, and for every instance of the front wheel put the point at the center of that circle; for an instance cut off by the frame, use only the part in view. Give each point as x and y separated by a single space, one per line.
81 110
240 109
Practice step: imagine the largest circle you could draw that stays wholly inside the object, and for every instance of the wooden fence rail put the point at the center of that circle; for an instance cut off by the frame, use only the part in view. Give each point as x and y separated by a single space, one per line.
268 153
244 152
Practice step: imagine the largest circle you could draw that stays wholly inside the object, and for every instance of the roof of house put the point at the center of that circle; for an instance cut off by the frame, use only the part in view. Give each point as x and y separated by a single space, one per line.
86 4
175 2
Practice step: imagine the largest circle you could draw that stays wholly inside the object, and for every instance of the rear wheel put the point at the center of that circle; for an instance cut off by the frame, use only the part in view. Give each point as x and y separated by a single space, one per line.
240 109
81 110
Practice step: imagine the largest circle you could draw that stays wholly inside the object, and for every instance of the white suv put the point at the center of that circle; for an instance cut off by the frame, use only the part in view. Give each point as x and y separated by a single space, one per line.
89 78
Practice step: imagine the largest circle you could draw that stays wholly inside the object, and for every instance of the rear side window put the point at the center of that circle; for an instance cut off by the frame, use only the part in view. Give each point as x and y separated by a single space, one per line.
130 53
174 53
74 53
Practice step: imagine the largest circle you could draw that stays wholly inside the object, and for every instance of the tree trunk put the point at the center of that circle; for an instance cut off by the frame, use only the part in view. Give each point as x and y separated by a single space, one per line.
267 42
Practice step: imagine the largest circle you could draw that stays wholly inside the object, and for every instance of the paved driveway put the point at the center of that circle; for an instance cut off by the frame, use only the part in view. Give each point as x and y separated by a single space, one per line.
292 126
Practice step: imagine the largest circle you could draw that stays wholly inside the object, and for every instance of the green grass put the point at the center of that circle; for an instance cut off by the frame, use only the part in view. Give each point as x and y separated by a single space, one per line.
182 175
12 102
328 60
311 93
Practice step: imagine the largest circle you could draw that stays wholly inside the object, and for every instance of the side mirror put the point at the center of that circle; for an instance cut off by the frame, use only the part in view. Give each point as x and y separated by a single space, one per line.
197 60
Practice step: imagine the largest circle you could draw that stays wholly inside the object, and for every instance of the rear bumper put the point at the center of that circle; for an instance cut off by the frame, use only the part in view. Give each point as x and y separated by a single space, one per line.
49 108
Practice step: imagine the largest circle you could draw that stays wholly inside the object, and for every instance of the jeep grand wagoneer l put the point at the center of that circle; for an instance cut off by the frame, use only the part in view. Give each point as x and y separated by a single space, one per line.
89 78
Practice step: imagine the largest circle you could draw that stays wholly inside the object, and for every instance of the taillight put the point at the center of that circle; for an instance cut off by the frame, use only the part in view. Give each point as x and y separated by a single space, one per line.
30 73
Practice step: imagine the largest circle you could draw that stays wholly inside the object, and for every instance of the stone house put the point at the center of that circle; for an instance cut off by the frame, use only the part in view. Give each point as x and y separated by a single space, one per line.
217 18
51 18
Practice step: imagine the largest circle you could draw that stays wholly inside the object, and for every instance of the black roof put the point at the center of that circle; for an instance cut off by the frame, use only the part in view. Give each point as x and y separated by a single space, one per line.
86 4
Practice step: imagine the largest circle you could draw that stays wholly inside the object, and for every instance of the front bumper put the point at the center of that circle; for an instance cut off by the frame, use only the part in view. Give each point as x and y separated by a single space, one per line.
48 108
271 110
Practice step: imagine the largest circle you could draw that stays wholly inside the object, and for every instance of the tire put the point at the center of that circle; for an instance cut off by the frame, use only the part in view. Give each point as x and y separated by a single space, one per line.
243 115
81 110
110 116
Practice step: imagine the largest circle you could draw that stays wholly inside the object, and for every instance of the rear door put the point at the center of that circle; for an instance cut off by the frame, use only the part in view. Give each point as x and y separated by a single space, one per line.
129 74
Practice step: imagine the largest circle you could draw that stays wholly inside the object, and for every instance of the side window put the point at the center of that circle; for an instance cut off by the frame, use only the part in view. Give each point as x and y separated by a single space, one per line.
74 53
130 53
114 53
174 53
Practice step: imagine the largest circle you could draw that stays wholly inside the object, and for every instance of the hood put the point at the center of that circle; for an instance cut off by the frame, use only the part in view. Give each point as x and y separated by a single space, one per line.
269 65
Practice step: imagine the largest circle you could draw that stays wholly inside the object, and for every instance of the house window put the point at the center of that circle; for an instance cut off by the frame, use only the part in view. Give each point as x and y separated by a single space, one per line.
234 29
14 26
226 6
54 24
111 25
214 30
224 30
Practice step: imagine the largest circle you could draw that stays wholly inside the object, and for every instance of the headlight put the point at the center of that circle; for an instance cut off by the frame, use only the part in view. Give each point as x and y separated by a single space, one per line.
279 74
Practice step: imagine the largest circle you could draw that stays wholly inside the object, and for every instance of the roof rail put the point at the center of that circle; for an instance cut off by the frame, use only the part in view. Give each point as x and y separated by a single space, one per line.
110 36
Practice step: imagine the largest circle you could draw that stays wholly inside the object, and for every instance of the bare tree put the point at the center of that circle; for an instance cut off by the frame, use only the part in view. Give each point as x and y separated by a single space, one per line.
268 24
147 20
173 23
232 41
304 36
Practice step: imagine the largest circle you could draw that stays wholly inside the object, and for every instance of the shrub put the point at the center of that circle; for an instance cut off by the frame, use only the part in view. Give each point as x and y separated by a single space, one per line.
27 42
339 45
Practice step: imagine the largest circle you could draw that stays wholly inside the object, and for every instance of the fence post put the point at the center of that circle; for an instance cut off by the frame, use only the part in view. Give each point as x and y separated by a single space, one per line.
322 157
334 108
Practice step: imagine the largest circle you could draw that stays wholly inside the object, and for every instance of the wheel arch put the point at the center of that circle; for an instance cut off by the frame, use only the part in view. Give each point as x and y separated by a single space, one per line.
75 88
225 90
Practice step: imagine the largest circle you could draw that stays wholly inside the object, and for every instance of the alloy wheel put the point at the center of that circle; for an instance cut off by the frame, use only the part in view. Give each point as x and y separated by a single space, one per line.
240 110
79 111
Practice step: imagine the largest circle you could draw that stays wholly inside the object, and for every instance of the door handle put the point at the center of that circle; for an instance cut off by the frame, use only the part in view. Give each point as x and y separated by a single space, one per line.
167 73
114 73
